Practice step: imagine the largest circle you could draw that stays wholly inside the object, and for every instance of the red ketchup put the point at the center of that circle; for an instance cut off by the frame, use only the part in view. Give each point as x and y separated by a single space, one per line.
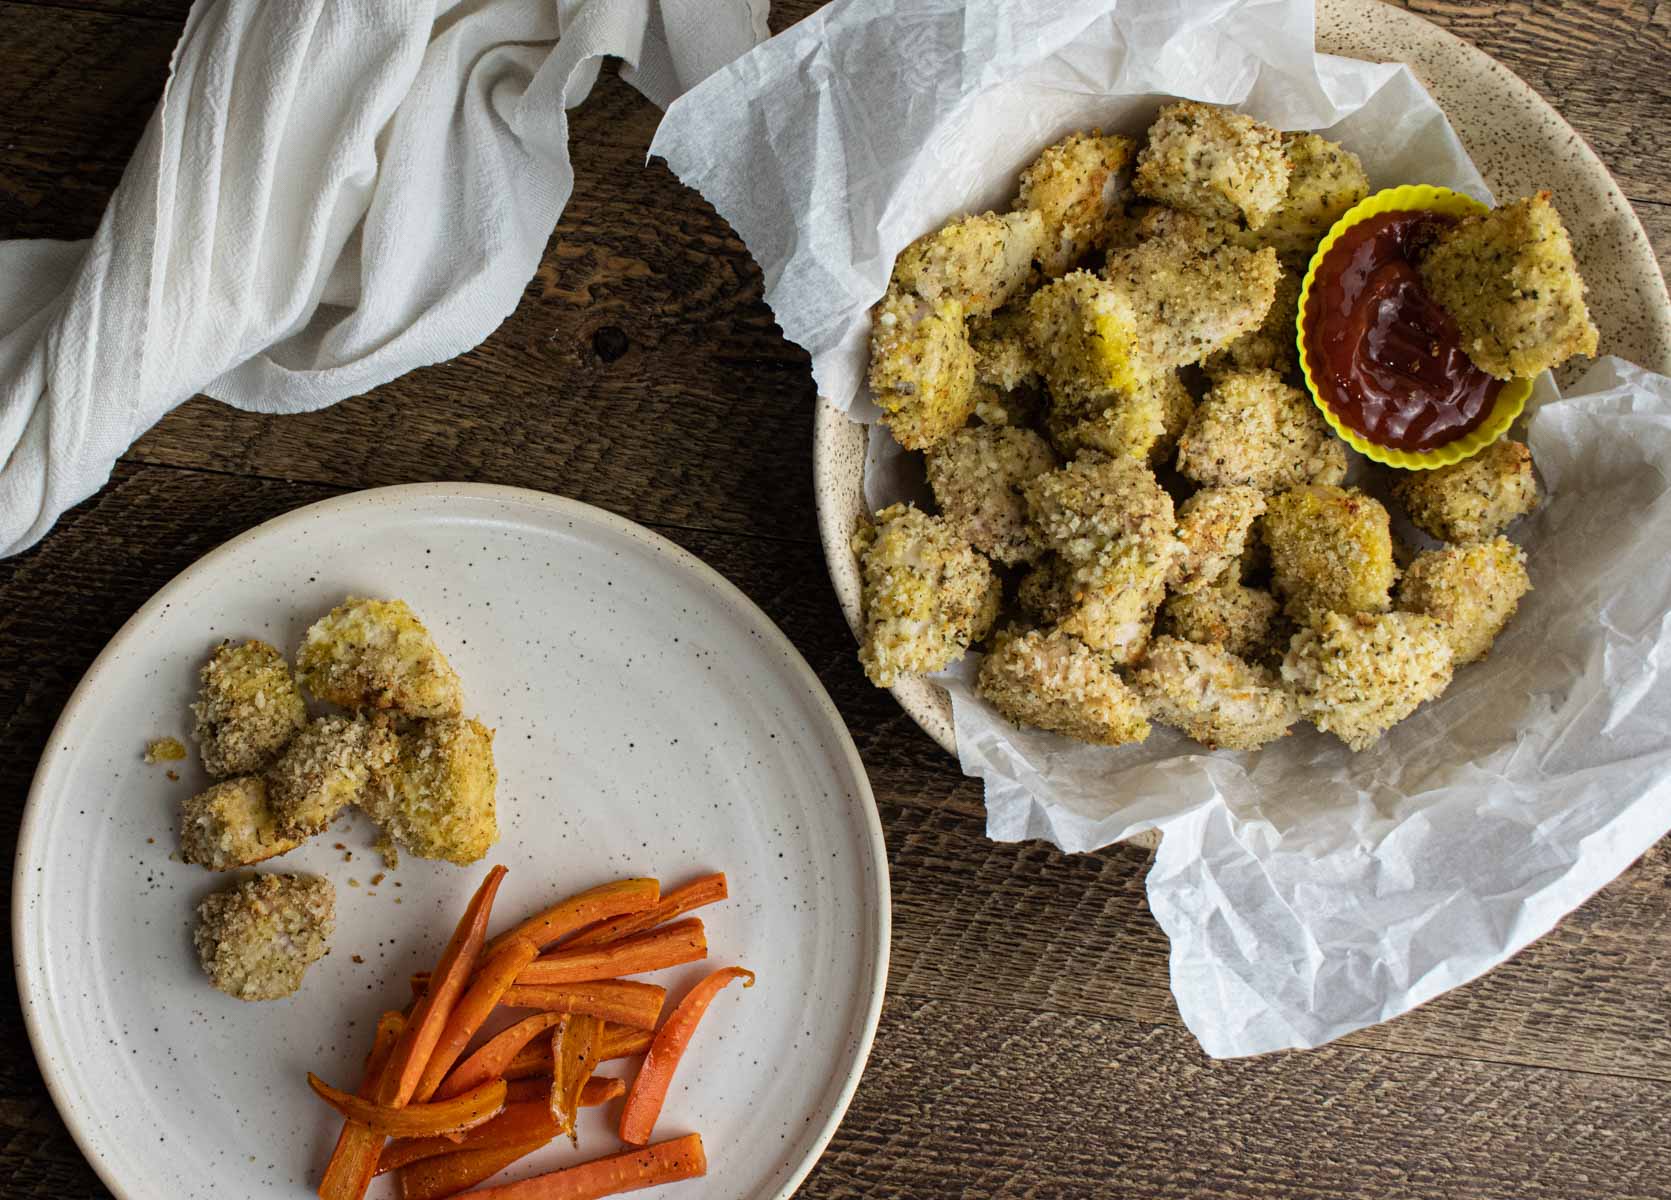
1385 358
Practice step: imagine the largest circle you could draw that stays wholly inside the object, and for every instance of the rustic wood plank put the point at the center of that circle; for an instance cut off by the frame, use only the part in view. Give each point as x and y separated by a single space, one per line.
963 1100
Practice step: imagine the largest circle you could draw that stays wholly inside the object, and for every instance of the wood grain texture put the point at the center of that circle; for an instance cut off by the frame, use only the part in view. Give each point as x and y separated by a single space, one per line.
1030 1047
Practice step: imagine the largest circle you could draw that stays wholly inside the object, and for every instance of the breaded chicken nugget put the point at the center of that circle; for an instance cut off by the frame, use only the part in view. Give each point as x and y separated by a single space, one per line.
979 261
1272 346
922 368
327 767
1082 507
437 800
1055 682
1075 186
257 938
1003 358
1509 280
1190 299
1083 334
926 594
1213 525
977 475
1242 620
1208 160
1474 499
231 825
1213 696
1143 426
377 654
1108 601
1253 429
1331 551
1472 591
1193 229
1324 180
248 709
1358 675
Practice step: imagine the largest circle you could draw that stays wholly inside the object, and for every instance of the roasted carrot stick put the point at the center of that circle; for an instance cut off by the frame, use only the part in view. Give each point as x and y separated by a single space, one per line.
527 1117
346 1175
680 942
623 1002
436 1178
649 1089
433 1010
535 1059
576 1046
578 911
665 1162
495 1055
707 890
471 1011
416 1120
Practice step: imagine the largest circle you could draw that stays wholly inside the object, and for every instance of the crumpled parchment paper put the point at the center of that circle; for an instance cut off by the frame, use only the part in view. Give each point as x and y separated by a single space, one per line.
1307 891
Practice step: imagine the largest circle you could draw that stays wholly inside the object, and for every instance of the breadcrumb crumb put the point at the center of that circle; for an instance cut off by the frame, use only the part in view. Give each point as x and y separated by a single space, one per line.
164 749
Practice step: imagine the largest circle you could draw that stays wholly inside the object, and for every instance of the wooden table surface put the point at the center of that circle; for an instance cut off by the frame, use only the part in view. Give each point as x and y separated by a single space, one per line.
1029 1046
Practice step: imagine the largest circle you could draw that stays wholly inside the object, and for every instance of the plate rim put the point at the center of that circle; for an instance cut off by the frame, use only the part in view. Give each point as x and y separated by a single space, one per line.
924 700
655 543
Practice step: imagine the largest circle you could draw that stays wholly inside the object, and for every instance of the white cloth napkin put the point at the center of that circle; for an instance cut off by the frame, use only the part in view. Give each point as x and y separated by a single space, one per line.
329 194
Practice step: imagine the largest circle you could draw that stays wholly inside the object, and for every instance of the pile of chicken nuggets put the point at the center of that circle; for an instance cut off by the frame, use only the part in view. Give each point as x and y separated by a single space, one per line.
1140 514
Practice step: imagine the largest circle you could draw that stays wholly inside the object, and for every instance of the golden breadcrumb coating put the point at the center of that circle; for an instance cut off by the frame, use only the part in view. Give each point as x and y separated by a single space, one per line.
1272 346
977 475
1108 601
1358 675
1080 508
1192 299
1057 683
377 654
1003 358
437 800
1084 338
926 594
1075 186
1241 619
1324 180
1509 280
1213 696
257 938
231 825
1253 429
978 261
922 368
1142 426
248 709
327 767
1472 591
1213 525
1195 230
1474 499
1206 159
1331 551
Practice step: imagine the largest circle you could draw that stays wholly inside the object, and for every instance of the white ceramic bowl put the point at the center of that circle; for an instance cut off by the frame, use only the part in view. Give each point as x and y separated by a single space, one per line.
1519 144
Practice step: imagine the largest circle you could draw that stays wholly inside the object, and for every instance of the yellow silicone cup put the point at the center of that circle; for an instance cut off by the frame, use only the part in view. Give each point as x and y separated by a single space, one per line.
1511 398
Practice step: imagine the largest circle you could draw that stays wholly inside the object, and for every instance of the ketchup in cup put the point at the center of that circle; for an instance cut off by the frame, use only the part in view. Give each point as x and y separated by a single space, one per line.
1385 358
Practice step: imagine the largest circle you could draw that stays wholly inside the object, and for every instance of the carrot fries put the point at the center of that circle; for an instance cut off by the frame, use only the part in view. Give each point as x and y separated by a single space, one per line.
649 1089
707 890
681 942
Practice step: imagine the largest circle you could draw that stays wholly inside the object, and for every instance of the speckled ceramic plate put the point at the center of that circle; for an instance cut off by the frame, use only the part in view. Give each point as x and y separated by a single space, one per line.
651 720
1519 144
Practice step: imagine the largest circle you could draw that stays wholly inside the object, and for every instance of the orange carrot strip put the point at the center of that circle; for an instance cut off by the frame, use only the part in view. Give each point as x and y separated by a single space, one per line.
576 1045
709 889
495 1055
649 1089
430 1015
680 942
437 1178
527 1117
416 1120
578 911
535 1059
665 1162
346 1175
621 1001
471 1011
